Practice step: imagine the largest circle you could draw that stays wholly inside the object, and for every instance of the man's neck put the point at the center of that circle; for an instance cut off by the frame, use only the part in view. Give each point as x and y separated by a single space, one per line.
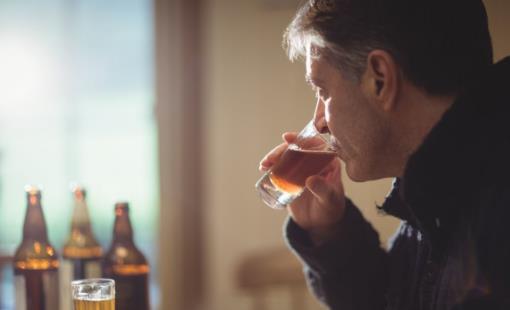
417 115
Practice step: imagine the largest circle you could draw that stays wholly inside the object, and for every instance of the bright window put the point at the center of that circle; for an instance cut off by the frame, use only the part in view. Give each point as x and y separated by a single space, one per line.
77 104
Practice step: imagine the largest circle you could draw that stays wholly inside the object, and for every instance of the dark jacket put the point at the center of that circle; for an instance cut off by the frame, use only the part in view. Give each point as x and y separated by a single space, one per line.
452 249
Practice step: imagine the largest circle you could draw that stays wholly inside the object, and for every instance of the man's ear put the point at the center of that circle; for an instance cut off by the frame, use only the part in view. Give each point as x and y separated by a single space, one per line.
382 79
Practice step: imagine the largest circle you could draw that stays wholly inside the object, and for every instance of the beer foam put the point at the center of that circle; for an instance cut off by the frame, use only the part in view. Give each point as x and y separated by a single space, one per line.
93 298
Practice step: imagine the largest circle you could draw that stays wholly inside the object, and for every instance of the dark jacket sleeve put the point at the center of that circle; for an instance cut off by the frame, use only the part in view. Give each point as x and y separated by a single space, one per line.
492 290
349 272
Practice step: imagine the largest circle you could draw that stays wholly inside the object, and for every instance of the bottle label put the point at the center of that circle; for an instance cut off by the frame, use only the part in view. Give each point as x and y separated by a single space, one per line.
37 289
75 269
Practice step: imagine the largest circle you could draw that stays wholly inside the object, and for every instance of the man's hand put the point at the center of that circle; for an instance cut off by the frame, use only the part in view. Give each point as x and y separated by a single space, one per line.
321 207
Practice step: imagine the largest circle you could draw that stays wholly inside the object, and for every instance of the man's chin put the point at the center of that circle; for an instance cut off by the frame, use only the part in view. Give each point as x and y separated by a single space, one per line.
353 173
356 174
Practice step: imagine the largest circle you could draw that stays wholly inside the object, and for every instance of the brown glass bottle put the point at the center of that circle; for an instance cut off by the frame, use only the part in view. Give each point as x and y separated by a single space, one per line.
82 253
35 261
124 263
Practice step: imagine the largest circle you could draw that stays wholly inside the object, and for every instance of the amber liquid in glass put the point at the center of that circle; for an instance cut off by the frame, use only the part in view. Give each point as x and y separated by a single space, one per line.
85 304
289 174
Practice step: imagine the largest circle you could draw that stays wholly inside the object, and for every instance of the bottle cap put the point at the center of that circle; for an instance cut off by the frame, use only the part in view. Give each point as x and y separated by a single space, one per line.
33 190
79 191
121 207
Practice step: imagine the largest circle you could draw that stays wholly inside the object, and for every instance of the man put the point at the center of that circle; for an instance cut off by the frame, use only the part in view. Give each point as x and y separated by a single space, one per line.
408 90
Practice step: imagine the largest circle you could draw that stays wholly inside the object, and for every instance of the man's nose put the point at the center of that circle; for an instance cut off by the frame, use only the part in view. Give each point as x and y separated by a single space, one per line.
319 117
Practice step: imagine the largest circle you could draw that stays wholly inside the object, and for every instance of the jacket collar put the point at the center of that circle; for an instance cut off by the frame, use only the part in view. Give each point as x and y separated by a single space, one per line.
468 149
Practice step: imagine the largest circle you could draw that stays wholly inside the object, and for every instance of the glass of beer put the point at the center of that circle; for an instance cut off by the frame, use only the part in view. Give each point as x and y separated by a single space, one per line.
93 294
308 155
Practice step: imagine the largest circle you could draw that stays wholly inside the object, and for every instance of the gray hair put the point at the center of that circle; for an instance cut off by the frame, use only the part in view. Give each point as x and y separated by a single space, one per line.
433 52
300 35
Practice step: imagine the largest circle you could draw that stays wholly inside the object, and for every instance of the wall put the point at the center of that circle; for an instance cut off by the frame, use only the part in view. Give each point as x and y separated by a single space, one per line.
248 87
252 95
499 25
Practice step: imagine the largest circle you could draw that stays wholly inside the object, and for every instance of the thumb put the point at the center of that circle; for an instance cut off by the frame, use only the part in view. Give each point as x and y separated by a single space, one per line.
289 137
321 189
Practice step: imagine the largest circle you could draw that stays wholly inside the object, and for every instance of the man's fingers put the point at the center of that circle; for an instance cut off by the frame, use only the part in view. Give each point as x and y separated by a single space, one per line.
272 157
318 187
332 172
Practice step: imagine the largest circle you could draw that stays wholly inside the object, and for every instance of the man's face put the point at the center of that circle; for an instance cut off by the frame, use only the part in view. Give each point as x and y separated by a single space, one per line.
345 109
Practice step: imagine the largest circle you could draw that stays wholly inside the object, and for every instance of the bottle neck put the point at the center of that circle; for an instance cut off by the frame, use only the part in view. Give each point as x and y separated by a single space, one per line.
81 219
122 230
34 227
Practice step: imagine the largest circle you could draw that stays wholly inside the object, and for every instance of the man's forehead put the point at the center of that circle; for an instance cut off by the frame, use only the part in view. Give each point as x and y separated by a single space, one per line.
311 58
314 66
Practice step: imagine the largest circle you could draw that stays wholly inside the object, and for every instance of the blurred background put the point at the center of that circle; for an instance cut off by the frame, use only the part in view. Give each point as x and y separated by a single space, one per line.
168 104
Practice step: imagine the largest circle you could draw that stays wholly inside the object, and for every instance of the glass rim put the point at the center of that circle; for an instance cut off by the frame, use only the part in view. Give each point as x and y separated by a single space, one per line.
95 281
310 125
310 130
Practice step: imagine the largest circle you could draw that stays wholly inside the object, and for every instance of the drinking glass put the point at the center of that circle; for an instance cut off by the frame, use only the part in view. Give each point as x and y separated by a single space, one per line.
308 155
93 294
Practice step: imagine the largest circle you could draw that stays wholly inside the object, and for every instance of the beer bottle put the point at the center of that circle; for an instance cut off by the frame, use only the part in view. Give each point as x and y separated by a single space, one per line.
35 261
81 253
124 263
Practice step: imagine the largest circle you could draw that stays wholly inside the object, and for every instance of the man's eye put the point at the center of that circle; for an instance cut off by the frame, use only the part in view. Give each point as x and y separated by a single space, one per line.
320 93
